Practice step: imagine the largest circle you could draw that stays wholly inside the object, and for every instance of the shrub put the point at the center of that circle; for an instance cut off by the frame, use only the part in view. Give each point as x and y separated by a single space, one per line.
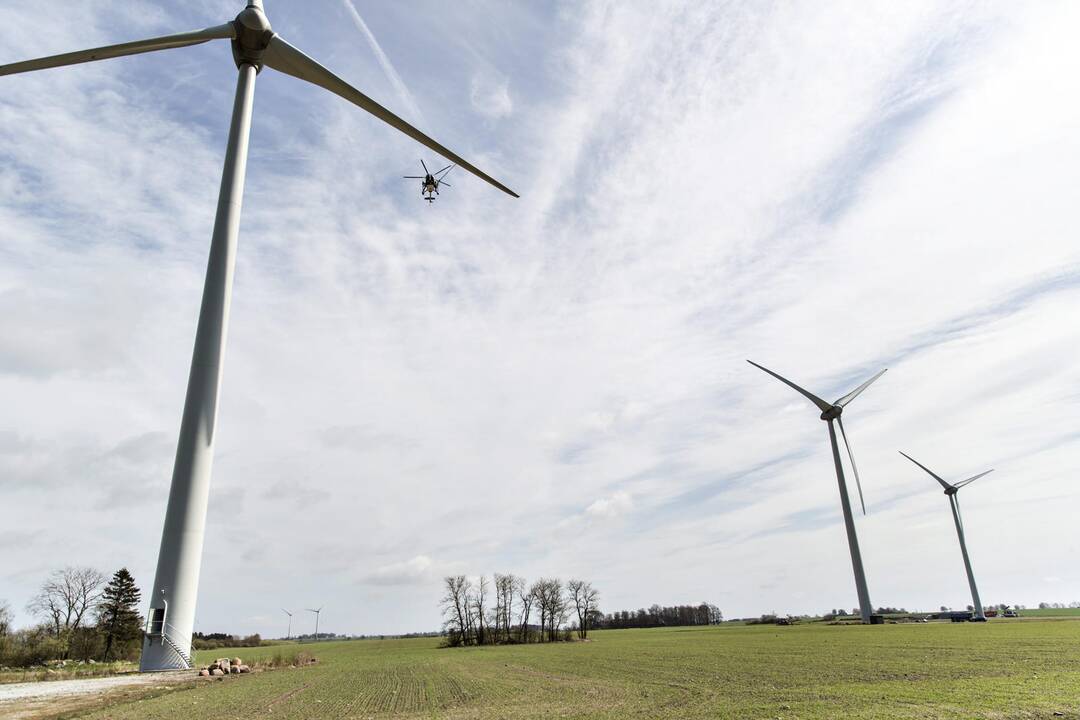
289 658
35 646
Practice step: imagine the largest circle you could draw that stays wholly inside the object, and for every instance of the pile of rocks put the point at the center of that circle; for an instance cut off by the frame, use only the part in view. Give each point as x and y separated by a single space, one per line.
224 666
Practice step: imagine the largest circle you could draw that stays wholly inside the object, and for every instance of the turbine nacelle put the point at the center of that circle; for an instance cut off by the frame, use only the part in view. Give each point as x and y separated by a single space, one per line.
253 35
832 413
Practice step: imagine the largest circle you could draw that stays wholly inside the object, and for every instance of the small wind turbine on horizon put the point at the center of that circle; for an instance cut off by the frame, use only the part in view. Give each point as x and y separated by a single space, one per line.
288 634
316 620
954 503
831 412
255 46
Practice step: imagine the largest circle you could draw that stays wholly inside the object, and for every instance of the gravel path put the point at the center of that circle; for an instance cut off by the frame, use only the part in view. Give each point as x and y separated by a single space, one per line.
29 696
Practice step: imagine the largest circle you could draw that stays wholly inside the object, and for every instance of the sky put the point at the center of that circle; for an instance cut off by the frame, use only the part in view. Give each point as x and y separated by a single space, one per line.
553 385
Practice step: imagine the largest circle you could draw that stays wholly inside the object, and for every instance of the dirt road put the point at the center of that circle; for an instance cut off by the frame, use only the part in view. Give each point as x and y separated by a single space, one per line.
22 701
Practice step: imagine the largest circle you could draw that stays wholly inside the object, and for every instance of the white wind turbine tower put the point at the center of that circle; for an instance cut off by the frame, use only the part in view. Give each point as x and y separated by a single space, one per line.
288 635
317 612
954 503
829 413
255 46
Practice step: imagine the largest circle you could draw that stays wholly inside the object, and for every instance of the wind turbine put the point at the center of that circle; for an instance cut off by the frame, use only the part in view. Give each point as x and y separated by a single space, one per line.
829 413
954 503
255 46
316 621
288 635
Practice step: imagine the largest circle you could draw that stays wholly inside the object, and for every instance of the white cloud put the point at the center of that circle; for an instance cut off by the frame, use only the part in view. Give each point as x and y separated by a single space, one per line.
490 96
825 191
617 504
410 572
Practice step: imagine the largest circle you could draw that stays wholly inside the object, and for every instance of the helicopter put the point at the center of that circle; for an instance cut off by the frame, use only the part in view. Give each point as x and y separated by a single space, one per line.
430 182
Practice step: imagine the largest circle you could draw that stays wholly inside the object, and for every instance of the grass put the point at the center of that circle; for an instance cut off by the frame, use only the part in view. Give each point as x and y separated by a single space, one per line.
68 671
1050 612
1001 669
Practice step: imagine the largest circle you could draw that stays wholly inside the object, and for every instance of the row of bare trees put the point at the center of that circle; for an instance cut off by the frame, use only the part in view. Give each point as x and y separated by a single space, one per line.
509 610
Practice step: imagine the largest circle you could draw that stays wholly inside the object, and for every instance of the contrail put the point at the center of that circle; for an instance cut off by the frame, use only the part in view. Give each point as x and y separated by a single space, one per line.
388 67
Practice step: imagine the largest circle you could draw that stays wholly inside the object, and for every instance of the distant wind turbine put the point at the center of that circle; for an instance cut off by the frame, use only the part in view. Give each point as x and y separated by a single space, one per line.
319 610
829 413
255 46
288 635
954 503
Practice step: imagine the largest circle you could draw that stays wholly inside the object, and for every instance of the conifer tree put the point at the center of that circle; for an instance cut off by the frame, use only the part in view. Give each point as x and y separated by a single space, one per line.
118 612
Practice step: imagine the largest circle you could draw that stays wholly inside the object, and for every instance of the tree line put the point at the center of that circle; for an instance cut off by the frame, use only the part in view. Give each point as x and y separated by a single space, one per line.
83 615
213 641
661 616
508 609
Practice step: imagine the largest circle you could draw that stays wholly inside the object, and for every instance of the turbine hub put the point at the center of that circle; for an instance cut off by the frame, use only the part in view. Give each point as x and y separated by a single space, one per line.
253 33
832 413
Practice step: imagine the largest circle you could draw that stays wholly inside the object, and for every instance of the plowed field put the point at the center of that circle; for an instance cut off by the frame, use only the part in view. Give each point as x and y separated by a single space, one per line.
1001 669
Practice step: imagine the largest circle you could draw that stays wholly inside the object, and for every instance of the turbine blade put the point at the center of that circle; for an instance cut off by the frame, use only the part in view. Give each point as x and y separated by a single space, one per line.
413 177
821 404
972 479
440 183
929 472
285 58
855 393
854 467
446 170
219 32
424 164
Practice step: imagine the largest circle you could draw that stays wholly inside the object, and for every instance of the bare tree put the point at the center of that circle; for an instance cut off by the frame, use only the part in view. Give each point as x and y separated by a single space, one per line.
538 591
505 590
49 607
498 611
576 591
584 598
526 597
5 618
512 581
65 598
552 606
479 596
455 606
495 614
560 610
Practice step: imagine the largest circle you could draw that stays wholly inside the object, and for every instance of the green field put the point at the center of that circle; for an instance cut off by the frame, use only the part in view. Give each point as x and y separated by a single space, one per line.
1050 612
1001 669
